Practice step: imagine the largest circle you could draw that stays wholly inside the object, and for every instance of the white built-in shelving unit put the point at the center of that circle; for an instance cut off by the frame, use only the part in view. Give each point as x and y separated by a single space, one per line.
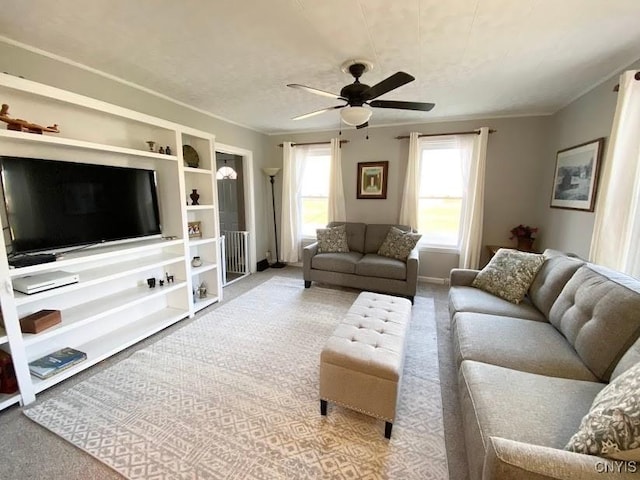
111 307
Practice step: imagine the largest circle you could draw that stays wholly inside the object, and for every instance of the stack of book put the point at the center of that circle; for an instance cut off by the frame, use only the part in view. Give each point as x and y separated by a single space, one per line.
56 362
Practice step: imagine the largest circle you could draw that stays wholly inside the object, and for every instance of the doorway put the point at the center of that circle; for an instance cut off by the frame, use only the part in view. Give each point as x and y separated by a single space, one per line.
234 178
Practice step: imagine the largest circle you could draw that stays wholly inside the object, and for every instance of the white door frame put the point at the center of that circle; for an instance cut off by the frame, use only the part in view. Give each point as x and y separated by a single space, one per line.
249 198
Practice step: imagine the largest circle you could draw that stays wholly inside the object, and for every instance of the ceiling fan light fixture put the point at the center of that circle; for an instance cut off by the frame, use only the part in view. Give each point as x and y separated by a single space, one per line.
355 115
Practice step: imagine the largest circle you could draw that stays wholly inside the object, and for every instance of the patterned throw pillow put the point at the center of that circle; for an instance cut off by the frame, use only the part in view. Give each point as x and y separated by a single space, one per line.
332 240
398 244
611 428
509 274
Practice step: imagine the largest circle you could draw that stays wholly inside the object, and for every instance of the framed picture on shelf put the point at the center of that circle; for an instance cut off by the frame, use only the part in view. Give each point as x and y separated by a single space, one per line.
194 230
372 180
576 176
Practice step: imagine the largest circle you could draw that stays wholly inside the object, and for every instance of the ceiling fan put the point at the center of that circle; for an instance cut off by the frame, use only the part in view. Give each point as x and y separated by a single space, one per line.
357 94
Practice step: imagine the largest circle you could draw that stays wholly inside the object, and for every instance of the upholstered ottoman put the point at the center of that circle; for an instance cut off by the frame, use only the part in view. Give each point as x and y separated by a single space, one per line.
361 363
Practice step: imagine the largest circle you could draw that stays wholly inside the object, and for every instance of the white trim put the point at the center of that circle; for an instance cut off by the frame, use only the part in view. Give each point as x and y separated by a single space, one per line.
436 280
109 76
249 197
438 249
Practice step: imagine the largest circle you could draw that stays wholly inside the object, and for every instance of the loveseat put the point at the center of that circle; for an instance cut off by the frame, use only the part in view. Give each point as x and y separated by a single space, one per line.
361 266
529 372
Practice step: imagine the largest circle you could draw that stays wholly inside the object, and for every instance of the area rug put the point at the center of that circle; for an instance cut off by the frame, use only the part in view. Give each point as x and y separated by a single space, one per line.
234 395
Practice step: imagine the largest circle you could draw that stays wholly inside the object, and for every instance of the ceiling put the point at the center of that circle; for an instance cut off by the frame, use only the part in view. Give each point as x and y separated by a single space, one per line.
233 58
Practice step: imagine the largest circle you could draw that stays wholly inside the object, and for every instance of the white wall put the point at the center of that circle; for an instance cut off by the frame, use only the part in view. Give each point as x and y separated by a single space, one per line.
39 68
514 160
587 118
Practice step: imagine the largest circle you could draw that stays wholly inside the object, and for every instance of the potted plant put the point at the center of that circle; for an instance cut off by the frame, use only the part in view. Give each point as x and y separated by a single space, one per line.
525 235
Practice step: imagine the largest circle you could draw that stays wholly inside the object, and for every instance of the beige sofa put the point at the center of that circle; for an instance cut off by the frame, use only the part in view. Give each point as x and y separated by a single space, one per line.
528 373
362 267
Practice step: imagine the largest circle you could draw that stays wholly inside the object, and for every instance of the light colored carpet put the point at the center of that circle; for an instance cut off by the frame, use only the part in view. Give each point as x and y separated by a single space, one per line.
234 395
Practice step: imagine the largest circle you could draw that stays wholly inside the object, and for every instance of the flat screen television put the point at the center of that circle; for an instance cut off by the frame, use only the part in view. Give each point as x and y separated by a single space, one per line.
57 204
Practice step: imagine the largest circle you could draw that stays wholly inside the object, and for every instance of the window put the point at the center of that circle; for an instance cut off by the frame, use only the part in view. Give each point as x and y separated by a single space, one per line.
313 199
441 190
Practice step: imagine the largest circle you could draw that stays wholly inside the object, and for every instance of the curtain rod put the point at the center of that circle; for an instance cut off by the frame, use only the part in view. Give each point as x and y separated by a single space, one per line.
313 143
617 87
470 132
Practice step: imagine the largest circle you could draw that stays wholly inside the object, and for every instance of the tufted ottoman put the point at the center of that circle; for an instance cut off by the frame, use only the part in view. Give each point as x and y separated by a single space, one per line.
361 363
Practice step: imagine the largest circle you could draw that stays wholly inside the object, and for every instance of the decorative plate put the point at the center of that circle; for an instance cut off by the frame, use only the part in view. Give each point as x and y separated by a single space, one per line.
190 156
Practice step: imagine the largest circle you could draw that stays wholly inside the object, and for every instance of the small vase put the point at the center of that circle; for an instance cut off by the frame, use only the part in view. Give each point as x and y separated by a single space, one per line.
196 262
525 244
194 197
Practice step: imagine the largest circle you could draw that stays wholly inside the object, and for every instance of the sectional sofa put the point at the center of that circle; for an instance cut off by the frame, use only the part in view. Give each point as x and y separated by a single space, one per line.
529 372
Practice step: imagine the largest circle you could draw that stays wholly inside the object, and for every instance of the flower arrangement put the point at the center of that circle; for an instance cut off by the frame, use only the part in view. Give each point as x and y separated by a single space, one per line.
523 231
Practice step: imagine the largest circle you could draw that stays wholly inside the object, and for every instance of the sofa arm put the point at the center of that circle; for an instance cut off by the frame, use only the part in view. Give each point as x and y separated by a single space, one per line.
508 459
307 254
462 276
413 265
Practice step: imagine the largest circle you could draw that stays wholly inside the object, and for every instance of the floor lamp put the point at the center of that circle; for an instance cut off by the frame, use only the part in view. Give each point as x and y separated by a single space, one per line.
271 173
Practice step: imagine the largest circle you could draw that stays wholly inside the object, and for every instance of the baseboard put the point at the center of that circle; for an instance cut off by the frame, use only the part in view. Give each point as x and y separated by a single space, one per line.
439 281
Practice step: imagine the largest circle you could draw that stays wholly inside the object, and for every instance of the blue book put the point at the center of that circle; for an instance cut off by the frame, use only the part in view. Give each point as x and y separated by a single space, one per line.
55 362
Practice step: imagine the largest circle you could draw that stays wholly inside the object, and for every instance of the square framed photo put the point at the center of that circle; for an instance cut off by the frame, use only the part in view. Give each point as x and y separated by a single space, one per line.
372 179
576 176
194 230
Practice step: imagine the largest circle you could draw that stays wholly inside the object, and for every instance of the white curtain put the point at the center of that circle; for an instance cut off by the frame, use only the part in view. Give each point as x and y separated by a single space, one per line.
292 169
337 209
474 151
616 233
409 206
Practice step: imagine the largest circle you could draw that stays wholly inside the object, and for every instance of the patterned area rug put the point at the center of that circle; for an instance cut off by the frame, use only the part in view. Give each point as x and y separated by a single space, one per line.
234 395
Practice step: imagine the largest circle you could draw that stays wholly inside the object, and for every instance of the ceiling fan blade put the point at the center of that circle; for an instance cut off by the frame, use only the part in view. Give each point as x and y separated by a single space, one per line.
316 91
422 106
390 83
317 112
365 124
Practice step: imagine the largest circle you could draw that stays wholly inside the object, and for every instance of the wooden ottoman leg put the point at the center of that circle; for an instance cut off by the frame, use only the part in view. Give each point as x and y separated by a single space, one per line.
387 429
323 407
307 283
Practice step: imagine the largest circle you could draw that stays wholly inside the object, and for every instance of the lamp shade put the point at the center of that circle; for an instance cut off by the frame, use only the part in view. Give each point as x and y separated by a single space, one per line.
270 171
355 115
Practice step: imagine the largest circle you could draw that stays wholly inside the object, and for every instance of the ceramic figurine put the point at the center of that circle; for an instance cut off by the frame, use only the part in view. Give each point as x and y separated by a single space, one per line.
167 150
161 150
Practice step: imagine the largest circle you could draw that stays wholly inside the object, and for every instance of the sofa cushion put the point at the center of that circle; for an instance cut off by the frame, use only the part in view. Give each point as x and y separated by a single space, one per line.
355 234
398 244
611 428
376 233
553 275
533 347
628 360
520 406
471 299
332 240
597 311
336 262
509 274
372 265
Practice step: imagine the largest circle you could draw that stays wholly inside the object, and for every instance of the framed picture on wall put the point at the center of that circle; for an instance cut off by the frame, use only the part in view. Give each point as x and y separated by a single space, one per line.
372 179
576 177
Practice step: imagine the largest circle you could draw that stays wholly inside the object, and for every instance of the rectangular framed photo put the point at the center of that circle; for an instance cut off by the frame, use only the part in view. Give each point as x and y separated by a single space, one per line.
576 177
194 230
372 179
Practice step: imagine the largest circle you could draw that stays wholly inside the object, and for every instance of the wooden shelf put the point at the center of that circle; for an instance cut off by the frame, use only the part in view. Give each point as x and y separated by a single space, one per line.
201 303
201 241
107 345
205 267
81 144
95 276
200 207
88 312
97 253
6 400
203 171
